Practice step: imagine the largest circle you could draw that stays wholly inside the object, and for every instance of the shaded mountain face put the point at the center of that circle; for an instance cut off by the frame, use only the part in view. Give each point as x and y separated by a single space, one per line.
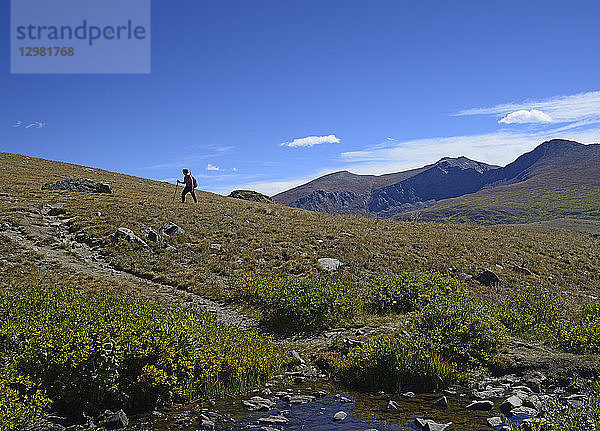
559 178
386 195
427 188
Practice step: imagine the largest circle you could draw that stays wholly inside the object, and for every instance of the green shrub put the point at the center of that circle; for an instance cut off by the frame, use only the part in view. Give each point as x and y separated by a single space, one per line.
582 334
409 291
90 351
292 304
389 362
460 328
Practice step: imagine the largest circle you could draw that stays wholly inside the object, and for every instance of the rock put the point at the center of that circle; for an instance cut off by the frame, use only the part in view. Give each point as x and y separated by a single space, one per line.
319 394
79 185
527 411
299 399
258 403
206 424
430 425
251 195
345 400
171 229
533 402
340 416
522 270
393 405
441 403
273 419
150 235
128 235
297 357
494 422
485 405
329 264
112 421
487 277
535 385
215 247
489 393
53 209
510 403
408 395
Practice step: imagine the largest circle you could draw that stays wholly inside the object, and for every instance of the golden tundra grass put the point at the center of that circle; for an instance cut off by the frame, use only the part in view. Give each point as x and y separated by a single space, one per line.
274 239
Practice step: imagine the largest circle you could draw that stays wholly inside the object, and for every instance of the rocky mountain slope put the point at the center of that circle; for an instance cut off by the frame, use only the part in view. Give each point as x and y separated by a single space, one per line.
554 167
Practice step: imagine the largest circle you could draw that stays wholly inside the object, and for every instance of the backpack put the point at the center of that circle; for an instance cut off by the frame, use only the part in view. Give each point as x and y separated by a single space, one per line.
194 182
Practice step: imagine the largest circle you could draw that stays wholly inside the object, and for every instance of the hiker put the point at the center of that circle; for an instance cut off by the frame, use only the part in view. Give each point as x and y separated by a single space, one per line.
190 185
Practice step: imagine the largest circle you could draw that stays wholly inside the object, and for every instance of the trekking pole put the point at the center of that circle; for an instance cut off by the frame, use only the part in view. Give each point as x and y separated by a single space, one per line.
175 193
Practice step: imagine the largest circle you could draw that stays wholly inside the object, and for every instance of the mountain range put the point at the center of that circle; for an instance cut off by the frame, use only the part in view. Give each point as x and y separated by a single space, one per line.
558 178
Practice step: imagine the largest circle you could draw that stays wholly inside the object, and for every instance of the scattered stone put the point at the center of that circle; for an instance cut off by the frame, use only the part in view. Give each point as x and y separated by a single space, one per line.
487 277
393 405
258 403
527 411
150 235
207 424
441 403
171 229
79 185
251 195
319 394
340 416
329 264
216 247
112 421
485 405
511 403
494 422
430 425
53 209
522 270
274 419
267 391
346 400
128 235
299 399
408 395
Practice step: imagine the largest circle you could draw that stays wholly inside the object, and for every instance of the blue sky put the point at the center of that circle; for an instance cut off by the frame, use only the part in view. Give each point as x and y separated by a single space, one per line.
269 94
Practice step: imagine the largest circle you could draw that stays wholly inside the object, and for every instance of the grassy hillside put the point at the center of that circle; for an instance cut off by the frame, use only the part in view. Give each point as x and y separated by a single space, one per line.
397 278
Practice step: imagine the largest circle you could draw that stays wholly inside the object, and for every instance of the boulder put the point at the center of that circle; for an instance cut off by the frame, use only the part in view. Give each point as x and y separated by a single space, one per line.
150 235
487 277
171 229
79 185
430 425
340 416
510 403
126 234
494 422
329 264
53 209
112 421
441 403
484 405
251 195
258 403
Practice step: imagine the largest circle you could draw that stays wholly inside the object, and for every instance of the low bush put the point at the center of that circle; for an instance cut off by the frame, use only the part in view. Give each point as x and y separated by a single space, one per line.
390 362
90 351
582 334
409 291
460 328
289 304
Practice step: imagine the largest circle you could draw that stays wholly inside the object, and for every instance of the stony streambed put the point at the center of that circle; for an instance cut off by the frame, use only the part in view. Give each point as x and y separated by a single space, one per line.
314 405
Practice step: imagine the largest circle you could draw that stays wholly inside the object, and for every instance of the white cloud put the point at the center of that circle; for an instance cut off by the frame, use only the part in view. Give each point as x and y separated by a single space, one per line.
210 167
309 141
234 169
576 107
526 116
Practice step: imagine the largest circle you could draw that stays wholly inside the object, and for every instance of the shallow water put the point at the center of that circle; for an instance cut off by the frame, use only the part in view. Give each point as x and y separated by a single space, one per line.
367 410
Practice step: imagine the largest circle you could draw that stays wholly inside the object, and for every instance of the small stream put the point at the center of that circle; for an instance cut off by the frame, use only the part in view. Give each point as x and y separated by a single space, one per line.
365 411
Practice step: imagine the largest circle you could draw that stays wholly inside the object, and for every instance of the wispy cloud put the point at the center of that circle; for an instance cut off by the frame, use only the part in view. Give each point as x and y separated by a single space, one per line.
310 141
210 167
576 107
526 116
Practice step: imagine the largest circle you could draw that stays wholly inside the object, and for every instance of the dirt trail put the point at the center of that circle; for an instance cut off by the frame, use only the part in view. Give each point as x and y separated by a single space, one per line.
50 237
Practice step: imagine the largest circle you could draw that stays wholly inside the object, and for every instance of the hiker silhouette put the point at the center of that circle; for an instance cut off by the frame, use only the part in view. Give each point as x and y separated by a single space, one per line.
190 185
